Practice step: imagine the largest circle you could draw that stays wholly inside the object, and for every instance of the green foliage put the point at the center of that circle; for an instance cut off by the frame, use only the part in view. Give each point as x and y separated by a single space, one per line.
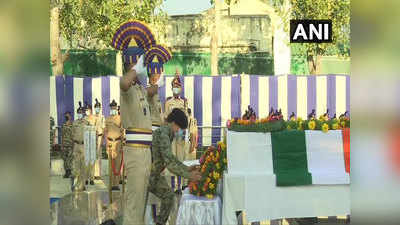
90 24
336 10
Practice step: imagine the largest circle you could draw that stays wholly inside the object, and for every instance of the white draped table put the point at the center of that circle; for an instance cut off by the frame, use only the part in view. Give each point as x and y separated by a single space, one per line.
195 210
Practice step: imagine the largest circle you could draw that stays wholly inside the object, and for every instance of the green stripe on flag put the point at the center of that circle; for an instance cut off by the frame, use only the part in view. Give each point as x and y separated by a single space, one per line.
290 158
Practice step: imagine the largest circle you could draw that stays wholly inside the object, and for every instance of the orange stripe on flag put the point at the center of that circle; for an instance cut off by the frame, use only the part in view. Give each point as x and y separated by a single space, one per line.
346 148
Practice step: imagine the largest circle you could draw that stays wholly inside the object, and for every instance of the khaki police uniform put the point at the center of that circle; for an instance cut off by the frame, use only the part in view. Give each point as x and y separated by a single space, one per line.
136 119
92 123
79 170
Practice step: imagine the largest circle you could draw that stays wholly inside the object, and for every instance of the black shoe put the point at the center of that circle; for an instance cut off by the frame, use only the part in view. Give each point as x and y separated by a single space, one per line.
108 222
91 182
184 187
115 188
120 182
68 174
97 178
86 182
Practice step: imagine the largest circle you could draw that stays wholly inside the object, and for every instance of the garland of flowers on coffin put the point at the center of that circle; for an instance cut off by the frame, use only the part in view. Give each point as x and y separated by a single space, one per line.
274 122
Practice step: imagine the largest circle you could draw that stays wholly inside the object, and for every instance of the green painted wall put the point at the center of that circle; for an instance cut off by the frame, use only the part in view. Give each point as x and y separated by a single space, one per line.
91 63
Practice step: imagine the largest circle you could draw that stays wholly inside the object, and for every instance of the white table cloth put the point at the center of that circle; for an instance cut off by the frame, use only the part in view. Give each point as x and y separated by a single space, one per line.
261 199
195 210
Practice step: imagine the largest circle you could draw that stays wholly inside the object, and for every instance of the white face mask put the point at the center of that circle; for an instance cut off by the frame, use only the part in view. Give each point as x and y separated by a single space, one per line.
176 91
97 110
113 112
79 116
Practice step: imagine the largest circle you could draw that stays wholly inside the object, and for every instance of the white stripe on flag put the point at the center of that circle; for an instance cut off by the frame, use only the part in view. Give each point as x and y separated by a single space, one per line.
283 95
189 91
325 158
245 92
207 110
263 97
168 87
302 97
53 99
340 95
322 89
78 94
114 89
96 91
226 86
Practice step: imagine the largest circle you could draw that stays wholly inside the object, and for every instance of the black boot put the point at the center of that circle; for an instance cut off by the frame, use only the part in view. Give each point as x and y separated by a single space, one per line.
86 182
108 222
91 182
67 173
115 188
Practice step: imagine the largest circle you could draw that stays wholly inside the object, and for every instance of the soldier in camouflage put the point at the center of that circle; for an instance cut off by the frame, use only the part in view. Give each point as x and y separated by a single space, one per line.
67 144
163 158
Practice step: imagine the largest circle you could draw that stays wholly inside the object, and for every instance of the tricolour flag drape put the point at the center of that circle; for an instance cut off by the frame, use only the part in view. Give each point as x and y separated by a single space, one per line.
213 100
309 157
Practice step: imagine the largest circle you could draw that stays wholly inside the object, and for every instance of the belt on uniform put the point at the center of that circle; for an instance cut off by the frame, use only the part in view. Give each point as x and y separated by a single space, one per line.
100 135
78 142
155 126
139 137
116 139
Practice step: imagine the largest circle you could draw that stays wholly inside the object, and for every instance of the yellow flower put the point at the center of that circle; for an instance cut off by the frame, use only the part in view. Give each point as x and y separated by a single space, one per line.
343 124
311 125
325 127
209 196
217 165
289 127
335 126
216 175
211 186
224 160
299 119
223 146
208 180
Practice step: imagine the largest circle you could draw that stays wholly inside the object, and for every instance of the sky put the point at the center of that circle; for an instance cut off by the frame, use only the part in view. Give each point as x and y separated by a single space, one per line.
180 7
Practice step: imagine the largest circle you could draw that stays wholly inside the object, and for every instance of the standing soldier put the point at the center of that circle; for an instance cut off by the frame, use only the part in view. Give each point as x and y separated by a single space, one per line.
99 131
134 38
79 168
178 145
163 158
114 135
67 144
91 147
190 153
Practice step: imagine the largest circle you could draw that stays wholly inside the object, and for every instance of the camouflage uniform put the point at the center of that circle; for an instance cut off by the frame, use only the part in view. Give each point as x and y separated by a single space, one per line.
67 146
79 168
163 158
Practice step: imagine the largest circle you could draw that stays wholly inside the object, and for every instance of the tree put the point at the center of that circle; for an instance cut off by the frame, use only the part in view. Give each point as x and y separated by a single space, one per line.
336 10
90 24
